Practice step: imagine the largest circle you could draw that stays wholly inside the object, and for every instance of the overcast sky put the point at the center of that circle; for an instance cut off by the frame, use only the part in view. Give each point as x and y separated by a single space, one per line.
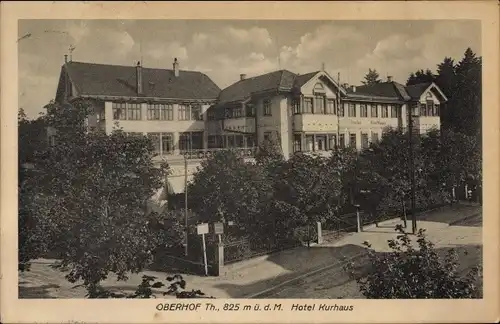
225 48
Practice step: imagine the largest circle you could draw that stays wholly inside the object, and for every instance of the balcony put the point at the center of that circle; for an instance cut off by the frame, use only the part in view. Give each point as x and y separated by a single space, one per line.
315 123
200 154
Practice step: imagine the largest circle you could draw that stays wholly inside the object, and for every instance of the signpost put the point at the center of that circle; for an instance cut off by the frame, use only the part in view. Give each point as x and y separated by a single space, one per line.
202 229
218 230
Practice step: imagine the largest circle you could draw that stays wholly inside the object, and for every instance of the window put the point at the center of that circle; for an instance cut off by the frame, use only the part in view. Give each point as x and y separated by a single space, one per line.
308 103
423 109
297 143
190 141
430 108
119 111
414 109
319 105
321 142
267 107
341 110
394 111
239 141
134 111
184 112
196 112
437 112
197 140
384 111
296 106
160 112
250 140
374 137
352 110
332 141
352 140
374 112
156 139
167 143
228 113
230 141
330 107
249 110
342 140
163 142
363 111
184 142
364 140
237 112
309 143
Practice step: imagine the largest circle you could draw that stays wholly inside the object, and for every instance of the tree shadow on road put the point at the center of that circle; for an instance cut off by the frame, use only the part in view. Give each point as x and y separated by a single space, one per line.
36 292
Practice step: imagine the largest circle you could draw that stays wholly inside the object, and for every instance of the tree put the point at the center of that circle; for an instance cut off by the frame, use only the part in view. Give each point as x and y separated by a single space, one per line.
466 105
306 191
227 189
372 77
91 193
31 234
421 77
409 272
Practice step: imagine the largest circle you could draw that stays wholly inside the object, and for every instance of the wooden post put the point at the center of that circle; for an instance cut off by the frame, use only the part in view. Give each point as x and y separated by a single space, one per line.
320 234
358 219
205 254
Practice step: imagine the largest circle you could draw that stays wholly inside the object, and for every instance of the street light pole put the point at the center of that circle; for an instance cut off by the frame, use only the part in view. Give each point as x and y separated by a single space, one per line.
412 171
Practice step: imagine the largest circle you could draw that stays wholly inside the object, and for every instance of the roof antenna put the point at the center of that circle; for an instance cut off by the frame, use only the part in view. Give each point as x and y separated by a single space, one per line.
323 66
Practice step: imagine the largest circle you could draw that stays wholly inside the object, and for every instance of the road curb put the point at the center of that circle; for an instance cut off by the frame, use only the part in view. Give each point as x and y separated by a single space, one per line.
312 272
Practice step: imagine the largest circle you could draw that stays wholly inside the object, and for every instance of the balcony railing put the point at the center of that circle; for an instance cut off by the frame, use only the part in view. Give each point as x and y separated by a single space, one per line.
205 153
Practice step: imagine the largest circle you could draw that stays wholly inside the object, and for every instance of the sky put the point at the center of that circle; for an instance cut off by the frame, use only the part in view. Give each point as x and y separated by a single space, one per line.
223 49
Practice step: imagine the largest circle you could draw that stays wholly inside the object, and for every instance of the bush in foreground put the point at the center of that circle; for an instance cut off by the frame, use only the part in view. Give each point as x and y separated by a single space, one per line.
415 272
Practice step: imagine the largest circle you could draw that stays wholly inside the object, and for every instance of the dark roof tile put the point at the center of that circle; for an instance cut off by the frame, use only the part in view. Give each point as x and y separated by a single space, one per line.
416 90
116 80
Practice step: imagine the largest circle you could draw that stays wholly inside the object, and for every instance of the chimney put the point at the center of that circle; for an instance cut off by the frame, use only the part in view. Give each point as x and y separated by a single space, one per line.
389 78
176 67
66 58
353 88
243 76
138 70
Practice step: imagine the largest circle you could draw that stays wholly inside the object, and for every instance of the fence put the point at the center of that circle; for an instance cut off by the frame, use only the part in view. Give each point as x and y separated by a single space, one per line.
247 248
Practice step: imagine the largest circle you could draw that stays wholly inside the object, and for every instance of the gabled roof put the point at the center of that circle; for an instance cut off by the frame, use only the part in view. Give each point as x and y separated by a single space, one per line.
302 79
383 89
115 80
283 80
416 90
241 90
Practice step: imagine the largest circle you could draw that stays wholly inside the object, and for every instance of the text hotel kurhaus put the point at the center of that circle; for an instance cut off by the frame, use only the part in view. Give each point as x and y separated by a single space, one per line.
185 111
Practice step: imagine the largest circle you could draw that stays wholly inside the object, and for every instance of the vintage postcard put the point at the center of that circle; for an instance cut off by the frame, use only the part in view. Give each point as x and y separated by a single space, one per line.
249 162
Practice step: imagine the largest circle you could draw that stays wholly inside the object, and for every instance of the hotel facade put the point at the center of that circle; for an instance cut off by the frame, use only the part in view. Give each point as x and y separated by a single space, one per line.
188 116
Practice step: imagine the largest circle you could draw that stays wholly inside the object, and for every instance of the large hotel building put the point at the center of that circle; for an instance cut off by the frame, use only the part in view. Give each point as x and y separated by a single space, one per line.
187 114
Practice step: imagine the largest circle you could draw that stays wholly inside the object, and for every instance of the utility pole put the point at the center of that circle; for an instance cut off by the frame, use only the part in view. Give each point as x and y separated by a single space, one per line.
412 171
185 205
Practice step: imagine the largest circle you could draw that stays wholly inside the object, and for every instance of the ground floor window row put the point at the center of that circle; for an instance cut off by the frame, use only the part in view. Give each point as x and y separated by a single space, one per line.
164 143
325 142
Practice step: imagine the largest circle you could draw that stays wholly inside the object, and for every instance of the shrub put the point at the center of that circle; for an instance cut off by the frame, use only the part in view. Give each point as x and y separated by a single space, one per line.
415 272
